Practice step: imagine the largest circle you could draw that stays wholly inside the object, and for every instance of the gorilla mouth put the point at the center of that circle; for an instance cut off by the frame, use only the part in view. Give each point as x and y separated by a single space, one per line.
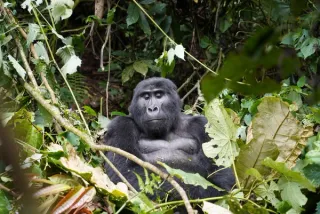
156 119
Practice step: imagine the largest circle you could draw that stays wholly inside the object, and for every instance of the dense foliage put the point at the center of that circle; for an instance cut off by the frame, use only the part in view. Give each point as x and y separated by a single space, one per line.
250 66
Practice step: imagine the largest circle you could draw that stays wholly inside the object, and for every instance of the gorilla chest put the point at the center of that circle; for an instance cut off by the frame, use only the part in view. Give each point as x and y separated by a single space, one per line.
176 151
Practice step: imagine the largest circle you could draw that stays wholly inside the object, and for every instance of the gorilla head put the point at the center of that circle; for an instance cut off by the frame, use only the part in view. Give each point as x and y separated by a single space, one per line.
155 106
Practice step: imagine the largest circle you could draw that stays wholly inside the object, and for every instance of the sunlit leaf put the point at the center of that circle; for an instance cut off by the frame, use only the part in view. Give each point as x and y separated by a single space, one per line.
127 73
289 175
170 55
291 192
61 9
190 178
211 208
33 32
71 65
221 129
179 51
20 70
140 67
42 51
50 190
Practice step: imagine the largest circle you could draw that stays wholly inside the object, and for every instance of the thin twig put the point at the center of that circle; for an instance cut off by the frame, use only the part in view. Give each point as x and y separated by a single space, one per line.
124 180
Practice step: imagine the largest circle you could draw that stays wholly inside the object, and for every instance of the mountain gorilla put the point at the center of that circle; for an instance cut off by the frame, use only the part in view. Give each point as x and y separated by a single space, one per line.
156 130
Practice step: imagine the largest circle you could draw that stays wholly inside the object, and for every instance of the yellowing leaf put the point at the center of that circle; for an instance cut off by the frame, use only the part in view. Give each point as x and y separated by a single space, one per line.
223 131
275 121
50 190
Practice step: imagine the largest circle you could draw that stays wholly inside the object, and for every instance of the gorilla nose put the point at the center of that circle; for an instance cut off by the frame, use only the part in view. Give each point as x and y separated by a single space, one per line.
152 110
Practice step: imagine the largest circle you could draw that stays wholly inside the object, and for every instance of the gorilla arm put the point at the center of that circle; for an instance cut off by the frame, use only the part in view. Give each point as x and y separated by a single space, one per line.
122 133
224 178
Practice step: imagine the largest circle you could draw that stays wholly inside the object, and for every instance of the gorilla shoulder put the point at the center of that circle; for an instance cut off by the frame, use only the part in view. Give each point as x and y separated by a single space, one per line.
121 131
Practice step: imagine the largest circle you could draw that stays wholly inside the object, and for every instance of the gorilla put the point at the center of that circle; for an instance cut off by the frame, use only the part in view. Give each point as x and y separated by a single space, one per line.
157 130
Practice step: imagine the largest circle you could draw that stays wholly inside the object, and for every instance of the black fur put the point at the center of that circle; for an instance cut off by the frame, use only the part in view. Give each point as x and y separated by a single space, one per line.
157 130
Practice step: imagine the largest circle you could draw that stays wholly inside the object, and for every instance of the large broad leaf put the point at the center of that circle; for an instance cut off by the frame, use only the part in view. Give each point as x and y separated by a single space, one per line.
25 130
71 65
222 130
189 178
140 67
275 121
77 165
252 155
291 192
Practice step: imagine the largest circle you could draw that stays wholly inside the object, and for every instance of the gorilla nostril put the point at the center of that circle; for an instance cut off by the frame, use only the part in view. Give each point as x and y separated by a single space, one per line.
153 109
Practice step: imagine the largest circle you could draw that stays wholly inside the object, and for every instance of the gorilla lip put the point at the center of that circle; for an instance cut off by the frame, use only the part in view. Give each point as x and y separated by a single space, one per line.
155 120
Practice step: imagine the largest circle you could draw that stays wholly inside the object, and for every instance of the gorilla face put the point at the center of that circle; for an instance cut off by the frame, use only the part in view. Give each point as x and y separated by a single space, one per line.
155 107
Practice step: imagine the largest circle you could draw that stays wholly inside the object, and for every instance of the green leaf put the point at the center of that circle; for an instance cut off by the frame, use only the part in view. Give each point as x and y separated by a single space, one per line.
301 82
289 175
90 111
312 172
5 206
110 15
33 32
309 46
268 192
133 14
24 129
205 42
140 67
291 192
288 39
189 178
72 138
20 70
127 73
144 24
221 129
43 117
103 121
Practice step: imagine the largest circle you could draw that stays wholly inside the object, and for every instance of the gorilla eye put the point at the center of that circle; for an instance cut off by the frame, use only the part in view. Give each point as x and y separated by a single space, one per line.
159 94
146 96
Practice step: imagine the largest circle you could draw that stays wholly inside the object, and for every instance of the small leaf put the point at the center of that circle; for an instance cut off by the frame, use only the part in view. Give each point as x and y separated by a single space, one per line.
144 24
20 70
189 178
42 52
309 46
140 67
179 51
71 65
33 32
133 14
170 55
110 15
127 73
205 42
51 190
61 9
301 82
211 208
